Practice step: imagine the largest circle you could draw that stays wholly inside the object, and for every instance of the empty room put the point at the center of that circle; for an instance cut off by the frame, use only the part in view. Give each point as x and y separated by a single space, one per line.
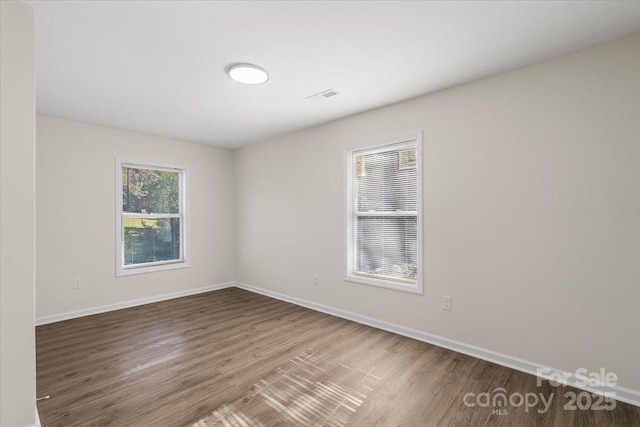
319 213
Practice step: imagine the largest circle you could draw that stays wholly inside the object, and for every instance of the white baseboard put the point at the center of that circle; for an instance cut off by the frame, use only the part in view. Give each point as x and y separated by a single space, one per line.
37 424
126 304
622 394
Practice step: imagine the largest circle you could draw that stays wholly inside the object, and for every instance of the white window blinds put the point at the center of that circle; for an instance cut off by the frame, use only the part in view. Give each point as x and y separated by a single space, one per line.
383 224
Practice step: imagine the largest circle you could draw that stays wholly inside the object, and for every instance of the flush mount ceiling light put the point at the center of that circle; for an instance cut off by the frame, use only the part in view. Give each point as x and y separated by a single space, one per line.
248 74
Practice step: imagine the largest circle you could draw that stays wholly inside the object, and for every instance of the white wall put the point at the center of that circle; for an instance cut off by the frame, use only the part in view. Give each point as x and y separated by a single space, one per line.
17 210
76 215
531 207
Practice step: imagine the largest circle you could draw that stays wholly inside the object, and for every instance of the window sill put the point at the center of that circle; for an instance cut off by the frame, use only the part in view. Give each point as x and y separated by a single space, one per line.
152 268
388 284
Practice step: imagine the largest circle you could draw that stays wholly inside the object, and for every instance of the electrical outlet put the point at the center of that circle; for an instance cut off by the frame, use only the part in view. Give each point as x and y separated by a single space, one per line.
210 263
315 280
77 283
445 302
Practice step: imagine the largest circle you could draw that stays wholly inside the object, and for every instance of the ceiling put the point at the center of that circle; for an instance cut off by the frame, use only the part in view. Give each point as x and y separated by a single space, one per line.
158 66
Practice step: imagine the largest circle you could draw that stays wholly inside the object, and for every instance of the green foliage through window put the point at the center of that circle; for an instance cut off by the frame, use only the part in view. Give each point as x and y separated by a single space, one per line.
150 191
152 218
151 240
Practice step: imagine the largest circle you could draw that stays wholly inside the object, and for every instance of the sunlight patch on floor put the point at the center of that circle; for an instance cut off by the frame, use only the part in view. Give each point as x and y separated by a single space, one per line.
312 389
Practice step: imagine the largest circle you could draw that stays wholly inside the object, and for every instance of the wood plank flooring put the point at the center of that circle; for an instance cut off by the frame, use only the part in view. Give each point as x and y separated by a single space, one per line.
232 357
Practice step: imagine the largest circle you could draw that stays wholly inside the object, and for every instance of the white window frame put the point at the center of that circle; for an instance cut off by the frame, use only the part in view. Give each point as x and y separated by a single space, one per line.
149 267
400 142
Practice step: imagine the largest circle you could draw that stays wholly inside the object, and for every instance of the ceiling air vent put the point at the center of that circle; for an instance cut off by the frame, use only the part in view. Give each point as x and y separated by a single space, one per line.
324 94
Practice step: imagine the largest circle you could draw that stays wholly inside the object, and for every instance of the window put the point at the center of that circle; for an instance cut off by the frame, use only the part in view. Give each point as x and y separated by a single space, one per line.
384 227
151 225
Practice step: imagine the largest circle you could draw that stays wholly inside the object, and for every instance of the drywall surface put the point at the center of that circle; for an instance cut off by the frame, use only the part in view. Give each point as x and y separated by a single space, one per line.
76 208
17 215
531 212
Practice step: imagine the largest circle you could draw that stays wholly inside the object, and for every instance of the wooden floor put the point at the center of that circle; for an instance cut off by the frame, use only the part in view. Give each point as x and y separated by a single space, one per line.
232 357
